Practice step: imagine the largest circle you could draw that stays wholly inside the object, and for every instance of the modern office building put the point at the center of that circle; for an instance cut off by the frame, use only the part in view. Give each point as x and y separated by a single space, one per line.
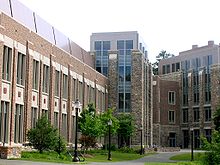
197 73
41 72
122 57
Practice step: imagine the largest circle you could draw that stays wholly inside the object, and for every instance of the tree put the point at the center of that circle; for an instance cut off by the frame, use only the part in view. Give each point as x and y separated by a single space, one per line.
90 126
43 136
105 117
212 157
162 55
126 127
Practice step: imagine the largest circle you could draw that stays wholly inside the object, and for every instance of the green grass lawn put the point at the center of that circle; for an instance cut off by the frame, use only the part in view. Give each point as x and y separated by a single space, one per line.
94 156
187 157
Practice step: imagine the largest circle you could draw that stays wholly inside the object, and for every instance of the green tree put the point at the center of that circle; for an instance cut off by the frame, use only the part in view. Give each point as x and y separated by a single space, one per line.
43 136
212 157
126 127
90 126
162 55
105 117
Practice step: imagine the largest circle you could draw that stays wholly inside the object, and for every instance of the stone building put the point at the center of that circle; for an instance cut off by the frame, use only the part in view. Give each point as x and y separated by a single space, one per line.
41 72
122 56
197 73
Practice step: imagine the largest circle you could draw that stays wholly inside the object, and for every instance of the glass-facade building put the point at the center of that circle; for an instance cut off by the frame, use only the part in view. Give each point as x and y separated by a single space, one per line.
123 43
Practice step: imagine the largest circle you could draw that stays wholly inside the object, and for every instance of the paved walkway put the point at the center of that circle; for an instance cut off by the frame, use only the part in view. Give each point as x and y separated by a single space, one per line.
160 157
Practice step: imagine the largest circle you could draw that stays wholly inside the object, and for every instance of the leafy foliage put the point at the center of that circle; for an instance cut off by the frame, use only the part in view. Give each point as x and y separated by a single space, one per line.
126 126
45 137
162 55
212 157
105 117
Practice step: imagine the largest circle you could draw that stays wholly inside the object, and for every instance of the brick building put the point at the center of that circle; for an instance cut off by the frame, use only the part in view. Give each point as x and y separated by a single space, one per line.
196 72
42 72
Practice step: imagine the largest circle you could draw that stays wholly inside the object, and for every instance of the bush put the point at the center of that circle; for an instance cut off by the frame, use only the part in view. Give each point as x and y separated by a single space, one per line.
126 150
45 137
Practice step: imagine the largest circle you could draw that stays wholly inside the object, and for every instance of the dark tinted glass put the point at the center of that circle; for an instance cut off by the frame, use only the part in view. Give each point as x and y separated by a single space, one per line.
129 44
106 45
97 45
120 44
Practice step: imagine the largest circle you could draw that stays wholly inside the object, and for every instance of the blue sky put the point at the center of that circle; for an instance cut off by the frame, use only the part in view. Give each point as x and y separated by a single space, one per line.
171 25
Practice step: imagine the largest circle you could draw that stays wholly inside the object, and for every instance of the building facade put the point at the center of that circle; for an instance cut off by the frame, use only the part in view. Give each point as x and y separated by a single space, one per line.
42 72
197 71
122 57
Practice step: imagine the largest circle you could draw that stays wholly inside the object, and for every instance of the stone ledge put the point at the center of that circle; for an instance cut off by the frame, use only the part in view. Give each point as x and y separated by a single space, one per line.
10 152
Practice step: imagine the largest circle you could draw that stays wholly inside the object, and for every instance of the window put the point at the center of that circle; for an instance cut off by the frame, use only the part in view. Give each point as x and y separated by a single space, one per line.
172 139
208 135
121 101
120 44
168 68
196 138
33 117
121 73
6 68
173 68
4 122
128 73
64 125
46 78
45 113
19 124
171 97
81 91
35 73
74 90
97 45
57 83
127 102
21 69
185 115
65 86
196 114
177 66
208 114
171 116
163 69
56 119
129 44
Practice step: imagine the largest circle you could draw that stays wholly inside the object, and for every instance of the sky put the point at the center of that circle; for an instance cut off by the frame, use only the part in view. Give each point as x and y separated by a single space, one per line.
171 25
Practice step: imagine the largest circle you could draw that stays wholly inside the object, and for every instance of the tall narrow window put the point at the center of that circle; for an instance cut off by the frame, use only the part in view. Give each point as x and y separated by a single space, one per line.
33 117
171 97
74 89
21 68
35 79
6 68
45 113
4 129
19 123
80 91
57 83
46 79
64 125
185 115
56 119
196 114
65 86
208 114
171 116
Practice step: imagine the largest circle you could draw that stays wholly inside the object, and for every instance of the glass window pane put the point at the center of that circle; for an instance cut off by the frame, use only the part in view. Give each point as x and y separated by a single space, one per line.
106 45
129 44
121 73
97 45
120 44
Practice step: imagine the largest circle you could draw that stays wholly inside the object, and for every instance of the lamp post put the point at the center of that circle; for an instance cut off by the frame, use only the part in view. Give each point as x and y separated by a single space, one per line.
141 129
109 139
191 131
77 107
